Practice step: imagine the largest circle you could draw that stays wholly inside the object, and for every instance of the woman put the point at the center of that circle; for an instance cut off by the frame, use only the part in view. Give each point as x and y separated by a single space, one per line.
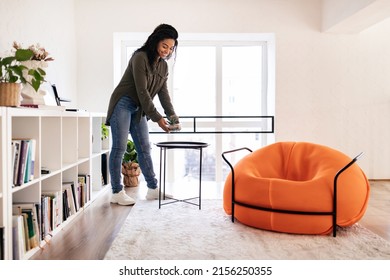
131 104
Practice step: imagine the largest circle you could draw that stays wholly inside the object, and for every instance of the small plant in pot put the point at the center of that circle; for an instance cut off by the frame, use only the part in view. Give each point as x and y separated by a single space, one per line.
23 66
11 77
130 166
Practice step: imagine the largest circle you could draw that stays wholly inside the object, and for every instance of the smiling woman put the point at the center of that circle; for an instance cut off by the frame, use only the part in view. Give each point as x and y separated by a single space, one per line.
131 105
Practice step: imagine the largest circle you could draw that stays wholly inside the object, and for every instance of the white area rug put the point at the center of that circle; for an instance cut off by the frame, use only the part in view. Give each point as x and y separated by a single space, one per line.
181 231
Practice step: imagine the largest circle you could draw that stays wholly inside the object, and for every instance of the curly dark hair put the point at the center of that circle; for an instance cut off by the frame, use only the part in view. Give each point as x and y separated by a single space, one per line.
161 32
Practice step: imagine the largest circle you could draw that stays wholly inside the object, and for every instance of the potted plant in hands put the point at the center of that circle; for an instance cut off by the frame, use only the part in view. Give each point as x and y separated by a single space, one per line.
130 166
11 77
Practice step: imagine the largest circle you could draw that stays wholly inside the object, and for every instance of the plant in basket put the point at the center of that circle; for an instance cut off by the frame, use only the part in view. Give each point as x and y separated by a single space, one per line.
11 76
130 166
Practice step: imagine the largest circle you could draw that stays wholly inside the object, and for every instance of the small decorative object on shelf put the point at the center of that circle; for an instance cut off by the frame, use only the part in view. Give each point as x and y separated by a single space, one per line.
130 166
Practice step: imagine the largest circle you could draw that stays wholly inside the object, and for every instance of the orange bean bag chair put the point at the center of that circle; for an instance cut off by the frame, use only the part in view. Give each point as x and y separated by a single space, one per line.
296 176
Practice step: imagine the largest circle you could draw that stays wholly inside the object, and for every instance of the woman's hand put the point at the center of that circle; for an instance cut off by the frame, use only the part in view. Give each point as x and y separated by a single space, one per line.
163 124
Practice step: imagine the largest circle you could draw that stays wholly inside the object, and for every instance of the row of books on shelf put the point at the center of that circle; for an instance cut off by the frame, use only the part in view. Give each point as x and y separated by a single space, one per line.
34 222
23 160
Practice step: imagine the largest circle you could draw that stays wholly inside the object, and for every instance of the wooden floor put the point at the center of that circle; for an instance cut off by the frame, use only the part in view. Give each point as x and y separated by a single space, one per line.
91 233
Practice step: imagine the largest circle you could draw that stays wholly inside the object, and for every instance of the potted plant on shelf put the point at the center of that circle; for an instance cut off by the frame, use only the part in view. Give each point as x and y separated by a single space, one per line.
17 69
11 77
130 166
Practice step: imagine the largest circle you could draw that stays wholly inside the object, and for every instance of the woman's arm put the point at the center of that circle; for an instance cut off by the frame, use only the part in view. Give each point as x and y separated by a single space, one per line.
140 74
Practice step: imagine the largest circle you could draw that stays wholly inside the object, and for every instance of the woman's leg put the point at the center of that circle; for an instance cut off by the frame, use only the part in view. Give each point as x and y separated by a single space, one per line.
120 124
140 134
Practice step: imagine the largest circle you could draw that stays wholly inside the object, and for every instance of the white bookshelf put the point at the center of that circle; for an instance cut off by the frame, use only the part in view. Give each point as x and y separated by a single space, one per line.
3 179
67 143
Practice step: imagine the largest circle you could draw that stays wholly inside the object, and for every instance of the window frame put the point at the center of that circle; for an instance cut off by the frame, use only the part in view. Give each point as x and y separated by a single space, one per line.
122 40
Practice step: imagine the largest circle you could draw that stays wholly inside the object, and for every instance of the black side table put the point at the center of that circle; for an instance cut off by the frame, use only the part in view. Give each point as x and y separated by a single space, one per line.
164 146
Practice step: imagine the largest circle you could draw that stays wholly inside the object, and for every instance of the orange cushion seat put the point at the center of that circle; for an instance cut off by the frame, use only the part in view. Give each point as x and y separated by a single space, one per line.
296 176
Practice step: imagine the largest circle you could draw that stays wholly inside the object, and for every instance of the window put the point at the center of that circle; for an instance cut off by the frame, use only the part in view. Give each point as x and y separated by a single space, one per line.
213 75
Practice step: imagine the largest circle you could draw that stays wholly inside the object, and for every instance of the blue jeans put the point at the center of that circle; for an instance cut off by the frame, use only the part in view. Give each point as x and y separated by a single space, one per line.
122 122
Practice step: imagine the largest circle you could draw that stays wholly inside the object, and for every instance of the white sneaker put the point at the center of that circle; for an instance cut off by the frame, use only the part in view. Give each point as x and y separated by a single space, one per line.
152 194
122 198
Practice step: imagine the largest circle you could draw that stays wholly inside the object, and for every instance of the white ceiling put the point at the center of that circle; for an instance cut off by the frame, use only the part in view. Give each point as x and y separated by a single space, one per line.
353 16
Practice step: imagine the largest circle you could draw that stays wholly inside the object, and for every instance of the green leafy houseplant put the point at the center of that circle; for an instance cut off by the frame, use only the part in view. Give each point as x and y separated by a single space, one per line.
130 153
12 78
18 66
104 131
11 69
130 166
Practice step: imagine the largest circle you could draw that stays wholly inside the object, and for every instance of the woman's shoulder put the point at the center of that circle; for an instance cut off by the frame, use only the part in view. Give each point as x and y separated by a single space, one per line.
139 60
163 66
139 55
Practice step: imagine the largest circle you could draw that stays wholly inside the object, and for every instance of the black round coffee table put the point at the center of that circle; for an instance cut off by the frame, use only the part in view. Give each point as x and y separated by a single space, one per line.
164 146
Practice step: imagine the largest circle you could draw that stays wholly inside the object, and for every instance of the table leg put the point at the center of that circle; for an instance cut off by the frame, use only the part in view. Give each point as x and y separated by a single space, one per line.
200 177
159 181
165 168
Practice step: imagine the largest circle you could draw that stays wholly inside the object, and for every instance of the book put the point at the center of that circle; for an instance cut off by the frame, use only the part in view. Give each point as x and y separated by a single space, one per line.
76 195
25 231
17 145
44 107
38 207
27 172
67 187
18 244
83 189
32 228
33 148
45 219
55 211
13 157
22 162
65 206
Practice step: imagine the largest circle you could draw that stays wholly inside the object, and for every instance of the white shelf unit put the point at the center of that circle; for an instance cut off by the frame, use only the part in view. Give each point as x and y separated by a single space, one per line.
67 144
3 182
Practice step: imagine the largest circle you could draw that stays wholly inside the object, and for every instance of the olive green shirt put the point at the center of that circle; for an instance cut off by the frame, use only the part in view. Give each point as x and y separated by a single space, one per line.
142 84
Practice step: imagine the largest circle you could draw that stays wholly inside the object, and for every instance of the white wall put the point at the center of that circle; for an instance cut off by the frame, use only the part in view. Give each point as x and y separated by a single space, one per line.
52 25
331 89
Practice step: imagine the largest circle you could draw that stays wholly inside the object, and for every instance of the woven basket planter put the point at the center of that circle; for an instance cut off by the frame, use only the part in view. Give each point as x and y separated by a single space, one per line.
10 94
130 171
